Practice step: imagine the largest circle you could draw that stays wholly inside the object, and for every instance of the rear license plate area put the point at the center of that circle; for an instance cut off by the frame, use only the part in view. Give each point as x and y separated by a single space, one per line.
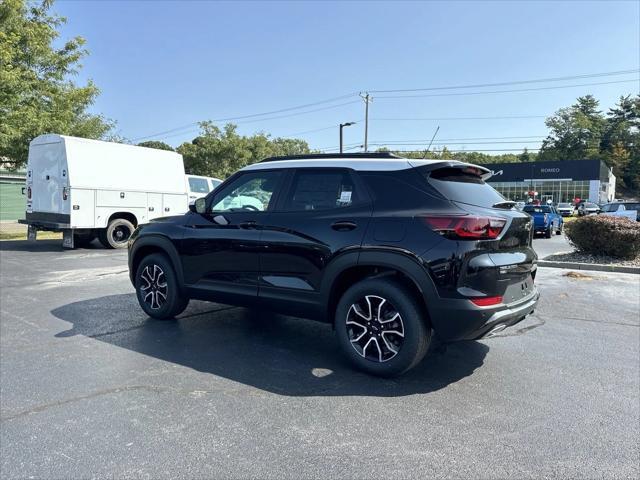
519 290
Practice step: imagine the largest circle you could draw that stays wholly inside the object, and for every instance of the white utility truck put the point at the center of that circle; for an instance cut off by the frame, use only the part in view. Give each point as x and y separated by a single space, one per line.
89 188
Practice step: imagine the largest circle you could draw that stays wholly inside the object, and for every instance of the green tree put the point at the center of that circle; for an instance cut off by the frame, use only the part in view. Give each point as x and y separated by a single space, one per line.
36 93
220 152
525 156
157 145
575 132
621 141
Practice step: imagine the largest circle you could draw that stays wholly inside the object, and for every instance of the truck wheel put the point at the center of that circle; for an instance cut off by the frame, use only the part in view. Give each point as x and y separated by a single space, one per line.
117 233
381 327
157 288
548 232
560 228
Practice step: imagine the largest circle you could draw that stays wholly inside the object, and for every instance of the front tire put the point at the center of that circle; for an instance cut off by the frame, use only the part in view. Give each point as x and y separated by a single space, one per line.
381 327
117 233
157 288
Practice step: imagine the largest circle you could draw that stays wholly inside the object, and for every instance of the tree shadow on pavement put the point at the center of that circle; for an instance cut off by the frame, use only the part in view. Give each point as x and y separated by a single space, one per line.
283 355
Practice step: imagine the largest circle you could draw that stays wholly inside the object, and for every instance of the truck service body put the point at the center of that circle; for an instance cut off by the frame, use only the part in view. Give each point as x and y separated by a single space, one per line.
86 187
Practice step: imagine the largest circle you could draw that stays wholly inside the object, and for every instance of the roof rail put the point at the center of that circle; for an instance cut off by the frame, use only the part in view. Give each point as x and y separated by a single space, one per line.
320 156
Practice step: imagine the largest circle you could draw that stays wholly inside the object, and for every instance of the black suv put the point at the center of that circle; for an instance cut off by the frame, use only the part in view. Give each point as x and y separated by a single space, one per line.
386 249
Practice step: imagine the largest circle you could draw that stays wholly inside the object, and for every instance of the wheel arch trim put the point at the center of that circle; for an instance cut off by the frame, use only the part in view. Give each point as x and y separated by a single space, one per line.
393 259
157 242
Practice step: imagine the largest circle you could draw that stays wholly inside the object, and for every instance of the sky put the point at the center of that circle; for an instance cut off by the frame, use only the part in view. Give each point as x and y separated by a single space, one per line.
162 66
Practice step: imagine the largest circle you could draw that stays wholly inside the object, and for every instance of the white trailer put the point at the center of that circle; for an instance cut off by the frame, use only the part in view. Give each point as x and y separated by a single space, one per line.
89 188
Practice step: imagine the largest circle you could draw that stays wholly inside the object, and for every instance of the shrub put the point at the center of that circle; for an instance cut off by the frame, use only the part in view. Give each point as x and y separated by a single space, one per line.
605 235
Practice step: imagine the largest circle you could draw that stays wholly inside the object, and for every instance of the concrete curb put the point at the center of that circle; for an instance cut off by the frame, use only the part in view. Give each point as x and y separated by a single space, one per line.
589 266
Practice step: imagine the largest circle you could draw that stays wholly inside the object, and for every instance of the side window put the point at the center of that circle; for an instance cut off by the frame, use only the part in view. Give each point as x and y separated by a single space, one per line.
198 185
321 190
250 192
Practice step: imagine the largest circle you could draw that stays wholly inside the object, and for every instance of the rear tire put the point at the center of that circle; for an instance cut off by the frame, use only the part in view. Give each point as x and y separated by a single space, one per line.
117 233
157 288
549 231
560 228
381 327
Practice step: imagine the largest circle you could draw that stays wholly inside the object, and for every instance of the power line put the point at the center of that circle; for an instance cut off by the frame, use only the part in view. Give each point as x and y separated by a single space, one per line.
474 150
242 117
447 141
466 138
496 142
191 129
420 119
190 126
516 82
508 91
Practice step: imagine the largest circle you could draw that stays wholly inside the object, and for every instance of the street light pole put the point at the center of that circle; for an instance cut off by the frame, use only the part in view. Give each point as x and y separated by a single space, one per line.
342 125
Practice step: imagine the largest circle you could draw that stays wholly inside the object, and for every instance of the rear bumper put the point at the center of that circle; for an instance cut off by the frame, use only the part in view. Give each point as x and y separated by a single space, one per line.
460 319
47 220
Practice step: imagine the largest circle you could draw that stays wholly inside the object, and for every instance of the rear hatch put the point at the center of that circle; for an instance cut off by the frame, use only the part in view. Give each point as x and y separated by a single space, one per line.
494 239
47 179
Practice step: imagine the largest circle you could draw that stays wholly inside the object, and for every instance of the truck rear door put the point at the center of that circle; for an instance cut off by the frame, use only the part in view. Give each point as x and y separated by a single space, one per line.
47 179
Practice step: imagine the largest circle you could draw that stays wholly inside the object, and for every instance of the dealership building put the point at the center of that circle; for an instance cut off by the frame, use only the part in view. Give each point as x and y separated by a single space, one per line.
559 181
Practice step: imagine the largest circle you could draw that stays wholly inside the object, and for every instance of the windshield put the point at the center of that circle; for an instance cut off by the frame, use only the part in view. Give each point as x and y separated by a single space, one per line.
536 209
462 185
564 205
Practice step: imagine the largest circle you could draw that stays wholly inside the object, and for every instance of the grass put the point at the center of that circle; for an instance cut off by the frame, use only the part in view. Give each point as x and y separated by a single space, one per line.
23 236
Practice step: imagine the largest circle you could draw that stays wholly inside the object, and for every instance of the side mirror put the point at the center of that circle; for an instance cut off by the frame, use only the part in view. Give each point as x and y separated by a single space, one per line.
199 206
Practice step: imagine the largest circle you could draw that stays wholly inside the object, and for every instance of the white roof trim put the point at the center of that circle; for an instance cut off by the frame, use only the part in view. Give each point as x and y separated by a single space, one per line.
363 164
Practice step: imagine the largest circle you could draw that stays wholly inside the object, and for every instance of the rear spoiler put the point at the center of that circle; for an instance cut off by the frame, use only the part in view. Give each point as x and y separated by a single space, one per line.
482 172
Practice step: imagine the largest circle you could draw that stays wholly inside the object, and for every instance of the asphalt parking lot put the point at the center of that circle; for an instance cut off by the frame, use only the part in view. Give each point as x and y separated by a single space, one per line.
91 387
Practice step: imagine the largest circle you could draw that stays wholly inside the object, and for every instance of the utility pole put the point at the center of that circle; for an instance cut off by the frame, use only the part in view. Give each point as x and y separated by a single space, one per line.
367 99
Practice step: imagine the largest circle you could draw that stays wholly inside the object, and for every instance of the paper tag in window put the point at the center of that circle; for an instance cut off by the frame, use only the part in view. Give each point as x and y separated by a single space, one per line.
345 197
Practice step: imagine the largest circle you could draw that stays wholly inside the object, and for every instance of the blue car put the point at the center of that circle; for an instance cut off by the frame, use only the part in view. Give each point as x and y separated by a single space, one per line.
546 219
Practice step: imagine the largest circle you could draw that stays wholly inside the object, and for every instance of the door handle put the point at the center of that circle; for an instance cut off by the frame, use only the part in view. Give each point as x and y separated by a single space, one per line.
344 226
248 225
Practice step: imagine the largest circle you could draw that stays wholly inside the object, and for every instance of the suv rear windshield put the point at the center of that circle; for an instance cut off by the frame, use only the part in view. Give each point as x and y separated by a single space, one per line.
536 209
462 185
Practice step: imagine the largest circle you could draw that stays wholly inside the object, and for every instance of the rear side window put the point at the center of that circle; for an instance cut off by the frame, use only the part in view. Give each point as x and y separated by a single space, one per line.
462 185
198 185
321 190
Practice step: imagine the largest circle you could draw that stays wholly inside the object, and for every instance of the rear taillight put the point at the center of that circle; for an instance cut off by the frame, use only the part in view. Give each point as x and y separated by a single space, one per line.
466 227
65 193
546 217
29 193
486 301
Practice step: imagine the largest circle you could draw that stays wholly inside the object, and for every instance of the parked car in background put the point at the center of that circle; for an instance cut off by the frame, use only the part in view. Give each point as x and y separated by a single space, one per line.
199 186
546 219
384 248
89 188
629 210
566 209
588 208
